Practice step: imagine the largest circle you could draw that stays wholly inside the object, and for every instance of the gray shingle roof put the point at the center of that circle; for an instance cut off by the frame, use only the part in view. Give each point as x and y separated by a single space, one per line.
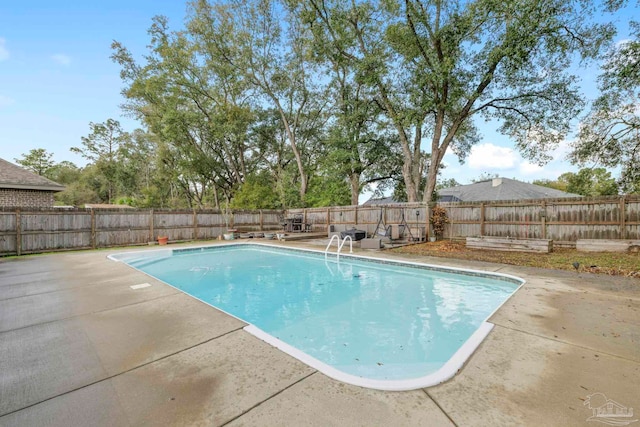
106 206
501 189
13 176
380 201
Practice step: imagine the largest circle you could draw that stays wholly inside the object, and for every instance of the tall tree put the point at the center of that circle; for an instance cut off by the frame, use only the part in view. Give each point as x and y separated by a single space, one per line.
37 160
436 64
137 174
64 173
196 106
590 182
557 184
610 134
262 43
447 183
360 146
101 148
586 182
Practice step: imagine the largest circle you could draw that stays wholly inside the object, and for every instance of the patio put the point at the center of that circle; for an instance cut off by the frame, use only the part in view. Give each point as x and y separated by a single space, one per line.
79 347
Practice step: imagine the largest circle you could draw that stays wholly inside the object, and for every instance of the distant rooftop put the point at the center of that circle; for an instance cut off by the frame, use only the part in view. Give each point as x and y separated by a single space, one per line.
14 177
500 189
106 206
380 201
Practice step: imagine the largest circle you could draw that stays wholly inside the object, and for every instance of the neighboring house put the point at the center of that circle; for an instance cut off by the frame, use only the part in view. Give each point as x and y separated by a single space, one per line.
500 189
380 201
106 206
22 188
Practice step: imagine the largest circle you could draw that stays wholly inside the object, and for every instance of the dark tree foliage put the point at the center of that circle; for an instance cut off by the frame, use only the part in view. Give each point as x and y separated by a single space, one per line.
610 134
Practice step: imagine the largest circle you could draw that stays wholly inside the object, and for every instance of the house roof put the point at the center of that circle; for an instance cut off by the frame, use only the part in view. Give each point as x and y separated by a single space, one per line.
15 177
501 189
380 201
106 206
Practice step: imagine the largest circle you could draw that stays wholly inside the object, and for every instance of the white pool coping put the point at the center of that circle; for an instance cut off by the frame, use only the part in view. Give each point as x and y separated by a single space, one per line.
444 373
447 371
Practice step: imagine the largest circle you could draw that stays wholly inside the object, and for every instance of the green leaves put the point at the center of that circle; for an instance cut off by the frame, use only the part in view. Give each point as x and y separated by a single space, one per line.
586 182
37 160
323 96
609 133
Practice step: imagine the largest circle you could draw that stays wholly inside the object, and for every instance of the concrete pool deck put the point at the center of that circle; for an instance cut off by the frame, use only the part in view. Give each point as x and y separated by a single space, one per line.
79 347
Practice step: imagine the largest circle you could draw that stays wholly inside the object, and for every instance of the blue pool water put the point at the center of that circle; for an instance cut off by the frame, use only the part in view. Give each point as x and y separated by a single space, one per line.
380 321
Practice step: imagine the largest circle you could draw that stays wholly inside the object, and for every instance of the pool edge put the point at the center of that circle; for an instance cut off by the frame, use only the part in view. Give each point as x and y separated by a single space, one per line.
446 372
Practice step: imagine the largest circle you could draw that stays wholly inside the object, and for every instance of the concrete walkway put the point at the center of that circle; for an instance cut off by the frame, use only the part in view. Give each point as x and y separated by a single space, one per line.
79 347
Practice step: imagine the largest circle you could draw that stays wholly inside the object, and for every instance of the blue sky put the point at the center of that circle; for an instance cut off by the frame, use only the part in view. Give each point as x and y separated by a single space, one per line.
56 77
55 71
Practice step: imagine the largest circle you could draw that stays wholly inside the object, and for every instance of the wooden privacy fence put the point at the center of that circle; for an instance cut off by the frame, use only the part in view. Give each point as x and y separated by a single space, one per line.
34 231
364 217
561 220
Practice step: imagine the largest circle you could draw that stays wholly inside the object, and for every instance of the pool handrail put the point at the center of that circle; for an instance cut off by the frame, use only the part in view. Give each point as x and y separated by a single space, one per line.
329 245
342 244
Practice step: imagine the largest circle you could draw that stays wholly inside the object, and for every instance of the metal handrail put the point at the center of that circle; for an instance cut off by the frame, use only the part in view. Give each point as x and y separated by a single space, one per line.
329 245
342 244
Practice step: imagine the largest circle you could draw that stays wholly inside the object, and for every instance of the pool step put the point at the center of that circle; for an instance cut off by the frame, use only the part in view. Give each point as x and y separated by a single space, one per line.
289 237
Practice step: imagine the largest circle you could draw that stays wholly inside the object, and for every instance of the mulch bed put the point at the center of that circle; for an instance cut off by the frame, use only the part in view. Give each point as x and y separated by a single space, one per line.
615 264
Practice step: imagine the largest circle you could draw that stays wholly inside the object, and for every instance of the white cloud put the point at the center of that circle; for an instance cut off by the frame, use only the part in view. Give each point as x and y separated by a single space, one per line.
527 168
489 156
4 52
5 101
562 150
61 58
623 42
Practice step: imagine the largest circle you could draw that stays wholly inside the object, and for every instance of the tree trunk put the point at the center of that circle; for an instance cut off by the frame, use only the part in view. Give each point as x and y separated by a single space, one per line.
432 176
416 159
407 174
354 180
408 161
437 153
407 155
216 198
296 152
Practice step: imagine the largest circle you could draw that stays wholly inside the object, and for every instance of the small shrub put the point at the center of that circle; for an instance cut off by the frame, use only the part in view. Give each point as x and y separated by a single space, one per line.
438 220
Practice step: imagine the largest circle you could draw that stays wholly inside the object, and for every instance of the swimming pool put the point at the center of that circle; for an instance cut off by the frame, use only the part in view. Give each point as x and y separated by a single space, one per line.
378 324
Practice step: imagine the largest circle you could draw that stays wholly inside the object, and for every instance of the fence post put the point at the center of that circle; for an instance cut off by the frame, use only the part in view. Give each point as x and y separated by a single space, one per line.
623 225
543 220
195 225
356 214
151 225
328 216
426 220
93 229
18 232
482 219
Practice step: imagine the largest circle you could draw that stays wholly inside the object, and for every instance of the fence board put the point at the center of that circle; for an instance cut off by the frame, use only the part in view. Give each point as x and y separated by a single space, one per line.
562 220
42 242
43 230
7 233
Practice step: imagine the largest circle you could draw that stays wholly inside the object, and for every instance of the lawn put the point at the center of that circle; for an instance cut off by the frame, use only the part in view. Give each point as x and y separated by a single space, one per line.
619 264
